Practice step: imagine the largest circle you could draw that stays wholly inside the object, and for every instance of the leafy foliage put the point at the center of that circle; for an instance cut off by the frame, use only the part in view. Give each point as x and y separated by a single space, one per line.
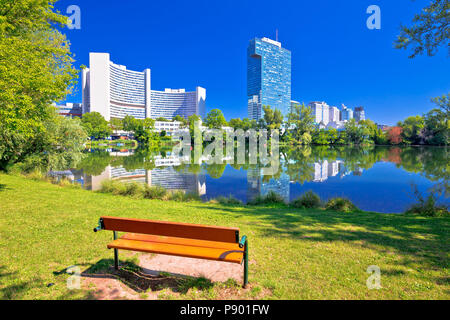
36 70
215 119
96 126
307 200
430 30
341 205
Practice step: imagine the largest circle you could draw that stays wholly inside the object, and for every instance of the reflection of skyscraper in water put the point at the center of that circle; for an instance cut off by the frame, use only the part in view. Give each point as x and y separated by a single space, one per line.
257 187
171 179
280 186
166 177
325 169
321 171
253 183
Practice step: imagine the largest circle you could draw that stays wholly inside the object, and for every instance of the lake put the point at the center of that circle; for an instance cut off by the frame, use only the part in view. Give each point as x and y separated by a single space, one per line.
374 178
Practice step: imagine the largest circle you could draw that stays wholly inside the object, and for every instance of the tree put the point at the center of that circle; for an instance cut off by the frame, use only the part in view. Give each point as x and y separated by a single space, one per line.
412 130
273 118
116 124
437 122
235 123
36 70
300 121
129 123
162 119
96 126
181 119
394 135
430 30
215 119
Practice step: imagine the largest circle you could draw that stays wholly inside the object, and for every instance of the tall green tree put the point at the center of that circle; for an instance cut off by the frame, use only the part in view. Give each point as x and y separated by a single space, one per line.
96 126
430 30
301 123
272 118
36 70
437 122
215 119
412 129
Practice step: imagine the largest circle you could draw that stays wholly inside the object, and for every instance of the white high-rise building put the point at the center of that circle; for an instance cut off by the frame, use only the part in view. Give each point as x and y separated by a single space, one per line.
321 112
334 114
115 92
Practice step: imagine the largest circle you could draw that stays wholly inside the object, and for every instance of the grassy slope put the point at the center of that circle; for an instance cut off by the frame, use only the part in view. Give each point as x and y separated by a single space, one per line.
45 228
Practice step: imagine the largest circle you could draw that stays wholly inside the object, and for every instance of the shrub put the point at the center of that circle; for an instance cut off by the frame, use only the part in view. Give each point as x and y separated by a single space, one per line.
427 207
154 192
271 198
341 205
108 186
123 189
177 195
230 200
308 200
133 190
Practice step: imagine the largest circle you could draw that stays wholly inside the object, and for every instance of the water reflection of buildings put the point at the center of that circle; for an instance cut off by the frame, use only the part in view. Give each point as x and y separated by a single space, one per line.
325 169
163 175
256 186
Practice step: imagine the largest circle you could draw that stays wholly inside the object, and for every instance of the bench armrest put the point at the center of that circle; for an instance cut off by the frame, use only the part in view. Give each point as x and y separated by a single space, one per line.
243 241
100 226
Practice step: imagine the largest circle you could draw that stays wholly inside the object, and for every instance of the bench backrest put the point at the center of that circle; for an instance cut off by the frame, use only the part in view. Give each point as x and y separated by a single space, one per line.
172 229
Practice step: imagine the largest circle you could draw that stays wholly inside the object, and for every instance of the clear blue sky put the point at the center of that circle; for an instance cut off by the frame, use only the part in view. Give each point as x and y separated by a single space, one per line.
335 57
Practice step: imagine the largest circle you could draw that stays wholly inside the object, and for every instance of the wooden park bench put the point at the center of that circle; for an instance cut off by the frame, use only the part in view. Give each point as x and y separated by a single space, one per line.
177 239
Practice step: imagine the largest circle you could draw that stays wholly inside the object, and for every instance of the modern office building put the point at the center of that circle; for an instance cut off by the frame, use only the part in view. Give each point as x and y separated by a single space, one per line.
115 92
268 77
346 113
321 112
360 114
70 110
335 114
293 105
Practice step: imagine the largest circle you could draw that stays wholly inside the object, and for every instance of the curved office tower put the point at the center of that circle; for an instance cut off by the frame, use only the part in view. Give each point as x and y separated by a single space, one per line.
115 92
172 102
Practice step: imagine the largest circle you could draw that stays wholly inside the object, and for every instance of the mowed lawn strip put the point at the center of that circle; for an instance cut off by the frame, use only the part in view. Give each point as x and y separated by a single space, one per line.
297 254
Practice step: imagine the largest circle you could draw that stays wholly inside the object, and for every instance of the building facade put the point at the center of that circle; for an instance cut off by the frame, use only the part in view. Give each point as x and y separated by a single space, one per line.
346 113
70 110
268 77
115 92
321 112
360 114
335 114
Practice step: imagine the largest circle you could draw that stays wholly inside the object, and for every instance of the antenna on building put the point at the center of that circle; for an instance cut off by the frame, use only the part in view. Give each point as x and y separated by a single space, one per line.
276 37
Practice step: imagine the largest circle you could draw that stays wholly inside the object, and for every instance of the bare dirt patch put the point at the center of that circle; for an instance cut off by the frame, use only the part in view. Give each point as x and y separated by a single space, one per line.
161 275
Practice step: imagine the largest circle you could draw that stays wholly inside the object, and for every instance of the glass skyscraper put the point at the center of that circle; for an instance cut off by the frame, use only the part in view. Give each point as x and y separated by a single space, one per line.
268 77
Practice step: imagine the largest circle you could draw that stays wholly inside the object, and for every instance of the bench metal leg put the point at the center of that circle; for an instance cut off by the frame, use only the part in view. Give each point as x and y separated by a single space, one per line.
116 254
246 263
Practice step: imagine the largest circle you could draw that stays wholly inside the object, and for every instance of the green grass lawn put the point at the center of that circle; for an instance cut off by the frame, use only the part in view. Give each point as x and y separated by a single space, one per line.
296 254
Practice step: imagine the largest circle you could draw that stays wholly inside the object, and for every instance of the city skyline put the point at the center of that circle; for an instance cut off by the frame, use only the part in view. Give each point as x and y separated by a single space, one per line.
338 60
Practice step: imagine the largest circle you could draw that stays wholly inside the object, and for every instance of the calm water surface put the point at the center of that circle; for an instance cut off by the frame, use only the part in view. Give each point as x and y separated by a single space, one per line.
375 179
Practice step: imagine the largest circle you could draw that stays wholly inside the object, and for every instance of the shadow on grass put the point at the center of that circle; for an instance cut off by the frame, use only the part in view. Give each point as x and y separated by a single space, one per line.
16 291
418 239
3 187
133 276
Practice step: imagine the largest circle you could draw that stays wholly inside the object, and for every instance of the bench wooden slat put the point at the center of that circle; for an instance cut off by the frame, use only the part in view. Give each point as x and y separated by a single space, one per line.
181 241
234 256
172 229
